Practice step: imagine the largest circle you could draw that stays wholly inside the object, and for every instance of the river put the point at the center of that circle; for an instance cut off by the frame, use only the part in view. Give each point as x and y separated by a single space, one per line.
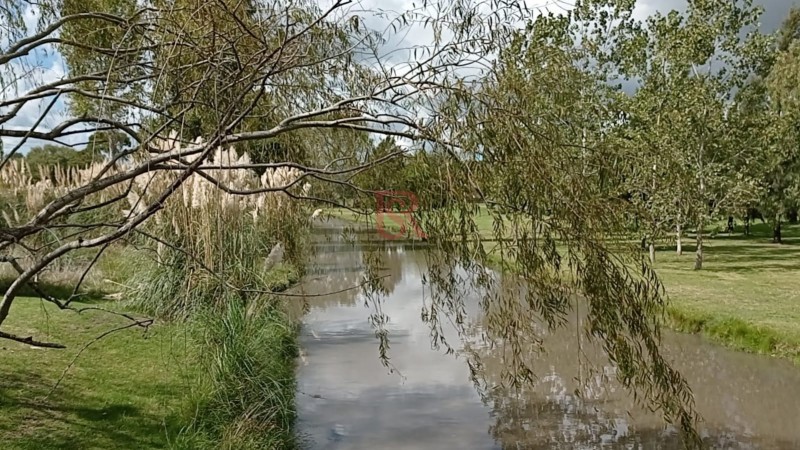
348 399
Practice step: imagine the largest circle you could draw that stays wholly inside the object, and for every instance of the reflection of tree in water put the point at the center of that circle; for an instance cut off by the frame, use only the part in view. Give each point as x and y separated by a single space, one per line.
347 263
555 411
384 264
544 400
337 270
566 397
535 400
391 266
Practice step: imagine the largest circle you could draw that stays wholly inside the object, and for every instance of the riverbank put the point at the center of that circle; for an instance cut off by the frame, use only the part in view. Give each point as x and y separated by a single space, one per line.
745 297
220 380
243 396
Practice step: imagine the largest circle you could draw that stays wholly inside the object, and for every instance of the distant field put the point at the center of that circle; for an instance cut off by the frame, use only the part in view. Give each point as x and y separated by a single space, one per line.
483 220
747 295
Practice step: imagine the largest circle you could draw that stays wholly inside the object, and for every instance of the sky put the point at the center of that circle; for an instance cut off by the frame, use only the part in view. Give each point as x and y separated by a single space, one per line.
49 66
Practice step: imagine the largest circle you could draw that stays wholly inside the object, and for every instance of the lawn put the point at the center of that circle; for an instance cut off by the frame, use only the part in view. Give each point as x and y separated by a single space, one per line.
125 391
746 296
175 385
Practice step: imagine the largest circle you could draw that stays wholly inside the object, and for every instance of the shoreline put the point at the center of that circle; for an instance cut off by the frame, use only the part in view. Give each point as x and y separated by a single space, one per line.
730 329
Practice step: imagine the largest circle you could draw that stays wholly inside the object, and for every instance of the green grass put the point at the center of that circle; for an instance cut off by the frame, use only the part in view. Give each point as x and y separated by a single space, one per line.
747 295
125 391
244 398
220 379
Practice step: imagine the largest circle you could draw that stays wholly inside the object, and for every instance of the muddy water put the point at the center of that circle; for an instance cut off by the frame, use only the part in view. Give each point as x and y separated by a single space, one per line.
348 400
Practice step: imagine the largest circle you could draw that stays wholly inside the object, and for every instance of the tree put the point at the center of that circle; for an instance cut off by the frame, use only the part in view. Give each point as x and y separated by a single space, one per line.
530 154
782 97
50 155
657 187
691 66
424 172
388 176
47 158
108 144
507 122
789 33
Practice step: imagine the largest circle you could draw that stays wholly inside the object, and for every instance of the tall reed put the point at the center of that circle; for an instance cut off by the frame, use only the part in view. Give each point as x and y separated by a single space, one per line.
208 270
244 398
211 272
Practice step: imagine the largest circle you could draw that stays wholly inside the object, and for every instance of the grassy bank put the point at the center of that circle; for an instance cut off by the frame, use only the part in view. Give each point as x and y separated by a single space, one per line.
747 296
243 397
223 379
126 391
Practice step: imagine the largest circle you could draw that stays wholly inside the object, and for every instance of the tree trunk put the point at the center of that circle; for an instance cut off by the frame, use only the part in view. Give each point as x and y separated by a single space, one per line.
776 230
679 239
655 222
698 260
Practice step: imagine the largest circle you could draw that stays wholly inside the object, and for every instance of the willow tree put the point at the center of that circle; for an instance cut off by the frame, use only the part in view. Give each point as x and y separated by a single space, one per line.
531 147
503 103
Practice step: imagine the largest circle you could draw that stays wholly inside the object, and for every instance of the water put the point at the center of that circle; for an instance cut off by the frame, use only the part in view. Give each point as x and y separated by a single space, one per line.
348 400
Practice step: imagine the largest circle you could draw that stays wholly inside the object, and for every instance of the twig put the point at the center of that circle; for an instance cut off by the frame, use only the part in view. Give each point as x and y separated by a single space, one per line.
142 323
315 396
74 294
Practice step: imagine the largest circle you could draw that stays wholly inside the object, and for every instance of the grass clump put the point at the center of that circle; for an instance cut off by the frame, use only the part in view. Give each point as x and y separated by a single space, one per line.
244 398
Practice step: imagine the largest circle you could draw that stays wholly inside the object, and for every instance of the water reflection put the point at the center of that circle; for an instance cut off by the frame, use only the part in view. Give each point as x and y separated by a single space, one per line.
349 400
